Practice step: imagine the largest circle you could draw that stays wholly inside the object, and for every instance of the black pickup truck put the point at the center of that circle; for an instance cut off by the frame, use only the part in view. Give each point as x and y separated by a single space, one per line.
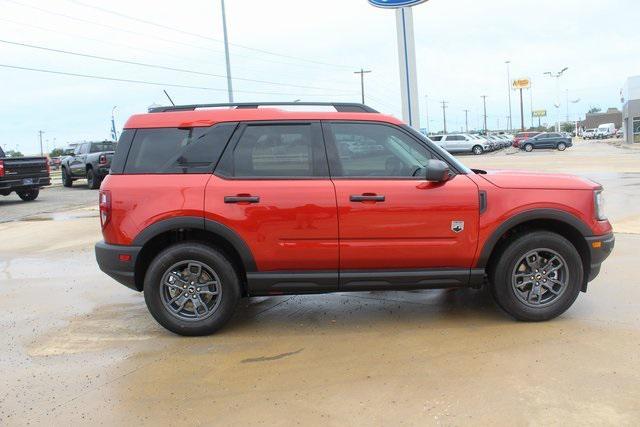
24 175
90 160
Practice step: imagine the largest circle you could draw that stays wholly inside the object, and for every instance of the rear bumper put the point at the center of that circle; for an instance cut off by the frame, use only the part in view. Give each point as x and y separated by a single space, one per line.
112 259
19 184
600 248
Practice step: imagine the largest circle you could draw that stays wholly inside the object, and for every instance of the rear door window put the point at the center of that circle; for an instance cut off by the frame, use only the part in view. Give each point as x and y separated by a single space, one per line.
177 150
98 147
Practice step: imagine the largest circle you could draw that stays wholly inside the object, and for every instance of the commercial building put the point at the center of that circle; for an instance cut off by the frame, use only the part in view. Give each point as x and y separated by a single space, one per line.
593 120
631 110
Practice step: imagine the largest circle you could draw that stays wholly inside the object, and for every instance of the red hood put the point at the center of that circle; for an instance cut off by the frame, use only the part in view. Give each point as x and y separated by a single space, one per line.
538 180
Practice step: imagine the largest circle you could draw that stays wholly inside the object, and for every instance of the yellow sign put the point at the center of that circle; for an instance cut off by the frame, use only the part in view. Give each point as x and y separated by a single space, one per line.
522 83
539 113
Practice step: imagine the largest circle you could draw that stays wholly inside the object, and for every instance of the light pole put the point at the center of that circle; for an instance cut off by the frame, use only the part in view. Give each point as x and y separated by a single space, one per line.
40 132
509 92
226 52
466 121
444 115
362 72
426 111
114 132
557 76
484 103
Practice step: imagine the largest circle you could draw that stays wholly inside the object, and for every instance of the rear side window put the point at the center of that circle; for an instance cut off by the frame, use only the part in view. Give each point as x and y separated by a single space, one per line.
437 138
177 150
276 151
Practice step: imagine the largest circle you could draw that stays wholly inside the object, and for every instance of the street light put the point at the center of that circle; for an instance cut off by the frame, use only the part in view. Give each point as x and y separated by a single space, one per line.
114 132
557 76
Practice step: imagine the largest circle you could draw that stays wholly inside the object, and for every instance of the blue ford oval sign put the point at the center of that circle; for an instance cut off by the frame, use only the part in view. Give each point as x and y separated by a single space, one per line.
392 4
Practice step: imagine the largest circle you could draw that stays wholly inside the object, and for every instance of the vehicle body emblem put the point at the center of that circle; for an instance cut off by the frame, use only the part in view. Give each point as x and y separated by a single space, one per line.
457 226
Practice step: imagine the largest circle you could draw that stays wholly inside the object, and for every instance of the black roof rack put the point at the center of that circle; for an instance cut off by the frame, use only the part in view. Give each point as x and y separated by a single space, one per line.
342 107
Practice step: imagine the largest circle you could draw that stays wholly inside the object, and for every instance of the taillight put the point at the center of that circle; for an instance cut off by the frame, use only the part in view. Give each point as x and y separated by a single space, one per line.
102 159
48 168
105 207
1 168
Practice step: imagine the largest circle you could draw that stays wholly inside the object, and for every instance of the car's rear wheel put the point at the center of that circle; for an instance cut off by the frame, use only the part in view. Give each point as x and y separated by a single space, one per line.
528 148
562 146
28 195
66 179
477 150
191 289
537 277
93 181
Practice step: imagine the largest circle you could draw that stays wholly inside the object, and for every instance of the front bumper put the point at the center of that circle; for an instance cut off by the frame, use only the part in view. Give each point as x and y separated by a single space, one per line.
600 248
118 262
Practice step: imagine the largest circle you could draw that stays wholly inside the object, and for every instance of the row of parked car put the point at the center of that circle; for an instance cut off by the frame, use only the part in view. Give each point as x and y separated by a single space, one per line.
472 143
604 131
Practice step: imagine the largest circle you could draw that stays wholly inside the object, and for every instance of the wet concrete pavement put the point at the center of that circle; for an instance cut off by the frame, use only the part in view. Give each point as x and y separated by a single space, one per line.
77 347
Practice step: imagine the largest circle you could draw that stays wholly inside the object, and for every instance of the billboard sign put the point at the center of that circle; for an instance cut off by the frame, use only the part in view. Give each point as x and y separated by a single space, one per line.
522 83
539 113
392 4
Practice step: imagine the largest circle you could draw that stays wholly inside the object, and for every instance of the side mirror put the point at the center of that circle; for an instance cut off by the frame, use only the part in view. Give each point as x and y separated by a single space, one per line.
437 171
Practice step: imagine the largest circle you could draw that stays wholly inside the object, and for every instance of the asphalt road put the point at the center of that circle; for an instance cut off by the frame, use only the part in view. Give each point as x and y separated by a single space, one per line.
79 348
51 200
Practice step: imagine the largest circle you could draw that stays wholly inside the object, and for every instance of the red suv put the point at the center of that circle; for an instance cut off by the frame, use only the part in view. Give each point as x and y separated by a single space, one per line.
206 204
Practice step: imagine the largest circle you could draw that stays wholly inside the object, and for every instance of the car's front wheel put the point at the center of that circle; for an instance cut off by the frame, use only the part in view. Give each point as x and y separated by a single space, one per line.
537 277
66 179
528 148
562 146
191 289
477 150
28 195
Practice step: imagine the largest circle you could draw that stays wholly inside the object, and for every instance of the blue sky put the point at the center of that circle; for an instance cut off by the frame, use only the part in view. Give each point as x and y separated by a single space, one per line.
306 50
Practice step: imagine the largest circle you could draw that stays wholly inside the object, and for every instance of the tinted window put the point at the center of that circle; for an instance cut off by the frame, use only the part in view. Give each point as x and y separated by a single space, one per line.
455 138
275 151
553 135
375 150
122 150
173 150
436 138
97 147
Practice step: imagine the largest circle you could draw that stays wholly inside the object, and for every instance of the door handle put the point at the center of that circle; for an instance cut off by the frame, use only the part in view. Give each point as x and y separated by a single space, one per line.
241 199
366 198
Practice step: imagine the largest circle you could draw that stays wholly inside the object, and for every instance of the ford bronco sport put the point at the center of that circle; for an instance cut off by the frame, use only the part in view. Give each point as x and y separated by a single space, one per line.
206 204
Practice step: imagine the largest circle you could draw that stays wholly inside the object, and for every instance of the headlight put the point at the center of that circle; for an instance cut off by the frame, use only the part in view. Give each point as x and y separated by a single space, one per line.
598 199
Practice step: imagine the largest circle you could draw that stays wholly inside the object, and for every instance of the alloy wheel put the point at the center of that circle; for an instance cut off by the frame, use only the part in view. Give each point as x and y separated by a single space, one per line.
540 277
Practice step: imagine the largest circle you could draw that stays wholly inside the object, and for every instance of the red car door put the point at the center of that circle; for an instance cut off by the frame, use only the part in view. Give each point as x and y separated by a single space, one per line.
390 217
273 189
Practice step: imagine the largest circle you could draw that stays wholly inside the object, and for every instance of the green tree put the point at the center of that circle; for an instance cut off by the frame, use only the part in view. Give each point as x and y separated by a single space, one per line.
594 110
56 152
568 127
14 153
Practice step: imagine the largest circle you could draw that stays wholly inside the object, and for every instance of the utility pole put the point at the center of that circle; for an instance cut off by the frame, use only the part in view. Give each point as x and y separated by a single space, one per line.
444 115
509 92
114 132
521 112
40 132
226 52
362 72
484 103
466 121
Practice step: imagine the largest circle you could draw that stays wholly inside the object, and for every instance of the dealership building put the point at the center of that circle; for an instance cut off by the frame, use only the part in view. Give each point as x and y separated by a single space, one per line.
631 110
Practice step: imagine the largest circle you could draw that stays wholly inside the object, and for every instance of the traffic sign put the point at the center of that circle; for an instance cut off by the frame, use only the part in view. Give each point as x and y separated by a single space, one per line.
392 4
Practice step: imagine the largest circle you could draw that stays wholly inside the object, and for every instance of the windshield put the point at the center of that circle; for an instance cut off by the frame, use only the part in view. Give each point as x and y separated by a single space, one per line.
98 147
440 151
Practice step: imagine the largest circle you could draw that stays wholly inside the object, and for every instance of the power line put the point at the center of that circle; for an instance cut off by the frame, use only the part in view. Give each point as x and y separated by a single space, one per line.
116 79
189 33
161 67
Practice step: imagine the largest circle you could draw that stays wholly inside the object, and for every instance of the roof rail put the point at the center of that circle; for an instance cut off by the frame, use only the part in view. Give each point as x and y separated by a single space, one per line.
343 107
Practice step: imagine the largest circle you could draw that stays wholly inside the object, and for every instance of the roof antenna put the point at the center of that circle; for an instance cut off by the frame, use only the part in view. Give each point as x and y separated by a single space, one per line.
170 100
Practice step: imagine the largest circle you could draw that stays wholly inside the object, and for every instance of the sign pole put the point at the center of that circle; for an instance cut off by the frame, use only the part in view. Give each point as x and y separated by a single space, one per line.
521 112
407 63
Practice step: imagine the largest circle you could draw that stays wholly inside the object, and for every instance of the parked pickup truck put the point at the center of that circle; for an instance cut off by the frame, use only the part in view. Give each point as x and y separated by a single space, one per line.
90 160
24 175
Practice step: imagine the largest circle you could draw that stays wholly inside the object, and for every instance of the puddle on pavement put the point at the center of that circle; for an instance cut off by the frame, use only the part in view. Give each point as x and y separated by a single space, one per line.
107 327
61 216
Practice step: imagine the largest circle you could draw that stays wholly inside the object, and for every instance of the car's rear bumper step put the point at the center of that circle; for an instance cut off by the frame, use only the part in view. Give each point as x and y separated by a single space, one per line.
118 262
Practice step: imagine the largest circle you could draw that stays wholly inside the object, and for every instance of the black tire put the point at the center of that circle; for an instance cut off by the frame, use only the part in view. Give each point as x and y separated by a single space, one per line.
28 195
477 150
66 179
501 277
93 181
562 146
528 148
155 294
